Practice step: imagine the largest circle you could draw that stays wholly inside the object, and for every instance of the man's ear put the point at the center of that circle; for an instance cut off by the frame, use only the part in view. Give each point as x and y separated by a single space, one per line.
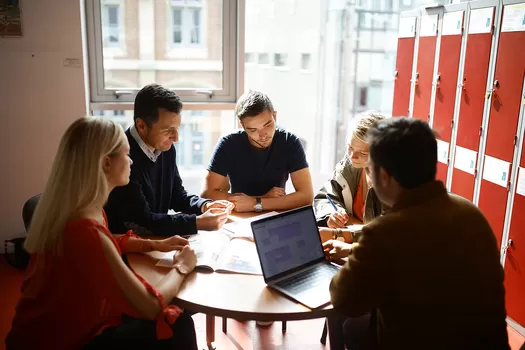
141 125
239 124
275 116
106 165
384 177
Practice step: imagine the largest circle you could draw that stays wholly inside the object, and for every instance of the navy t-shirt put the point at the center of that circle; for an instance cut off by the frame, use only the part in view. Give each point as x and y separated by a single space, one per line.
254 171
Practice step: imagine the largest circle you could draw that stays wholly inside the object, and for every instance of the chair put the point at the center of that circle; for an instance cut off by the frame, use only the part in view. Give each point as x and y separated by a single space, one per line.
28 210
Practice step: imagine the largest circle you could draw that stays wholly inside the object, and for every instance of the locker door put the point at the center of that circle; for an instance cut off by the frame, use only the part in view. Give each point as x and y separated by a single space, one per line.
515 255
446 89
477 58
503 122
404 64
425 66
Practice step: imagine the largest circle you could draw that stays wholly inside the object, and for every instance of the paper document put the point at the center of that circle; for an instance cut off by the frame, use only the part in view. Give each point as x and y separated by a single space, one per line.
481 20
442 151
520 186
452 23
241 227
465 159
496 171
513 18
220 252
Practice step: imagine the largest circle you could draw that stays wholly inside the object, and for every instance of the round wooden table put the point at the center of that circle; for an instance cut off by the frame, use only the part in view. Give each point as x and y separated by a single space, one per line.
228 295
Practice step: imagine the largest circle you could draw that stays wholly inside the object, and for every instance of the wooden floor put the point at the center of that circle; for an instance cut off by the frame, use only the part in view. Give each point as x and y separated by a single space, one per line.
302 335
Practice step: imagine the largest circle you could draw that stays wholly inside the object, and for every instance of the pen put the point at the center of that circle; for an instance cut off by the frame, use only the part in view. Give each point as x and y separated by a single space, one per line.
331 202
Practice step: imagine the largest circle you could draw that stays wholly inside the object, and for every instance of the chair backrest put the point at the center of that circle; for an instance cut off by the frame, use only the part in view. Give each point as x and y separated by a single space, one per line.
28 210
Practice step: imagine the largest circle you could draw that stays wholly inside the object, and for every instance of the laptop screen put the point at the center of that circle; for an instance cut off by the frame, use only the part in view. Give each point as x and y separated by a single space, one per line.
287 241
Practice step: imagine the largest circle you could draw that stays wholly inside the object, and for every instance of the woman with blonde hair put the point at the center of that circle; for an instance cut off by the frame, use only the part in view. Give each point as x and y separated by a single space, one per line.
349 189
351 192
79 293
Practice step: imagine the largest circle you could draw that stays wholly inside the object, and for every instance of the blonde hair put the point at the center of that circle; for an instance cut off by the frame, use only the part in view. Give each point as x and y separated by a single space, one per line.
77 181
362 123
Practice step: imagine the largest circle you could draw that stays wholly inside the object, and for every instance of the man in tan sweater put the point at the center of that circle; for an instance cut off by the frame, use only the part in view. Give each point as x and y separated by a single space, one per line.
429 269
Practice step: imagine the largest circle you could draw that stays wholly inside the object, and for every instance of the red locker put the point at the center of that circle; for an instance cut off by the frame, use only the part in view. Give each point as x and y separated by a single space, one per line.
505 109
404 64
448 67
477 59
425 67
503 122
515 258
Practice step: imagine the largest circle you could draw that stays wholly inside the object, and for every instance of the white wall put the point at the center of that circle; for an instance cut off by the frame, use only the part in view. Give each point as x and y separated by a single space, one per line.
39 98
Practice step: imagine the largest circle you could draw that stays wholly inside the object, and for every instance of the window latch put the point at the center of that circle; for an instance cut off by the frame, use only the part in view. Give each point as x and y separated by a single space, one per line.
205 92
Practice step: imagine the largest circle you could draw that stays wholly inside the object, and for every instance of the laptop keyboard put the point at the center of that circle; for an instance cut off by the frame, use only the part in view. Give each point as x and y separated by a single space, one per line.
308 279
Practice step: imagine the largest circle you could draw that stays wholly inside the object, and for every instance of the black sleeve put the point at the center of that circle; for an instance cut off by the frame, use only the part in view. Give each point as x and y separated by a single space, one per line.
127 208
181 200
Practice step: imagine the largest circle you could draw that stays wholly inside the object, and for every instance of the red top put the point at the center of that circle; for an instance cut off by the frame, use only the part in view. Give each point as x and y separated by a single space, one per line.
69 299
359 203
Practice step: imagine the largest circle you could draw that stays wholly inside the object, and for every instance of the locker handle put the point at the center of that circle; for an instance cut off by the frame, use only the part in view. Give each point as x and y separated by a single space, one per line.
464 85
495 86
508 245
396 75
438 80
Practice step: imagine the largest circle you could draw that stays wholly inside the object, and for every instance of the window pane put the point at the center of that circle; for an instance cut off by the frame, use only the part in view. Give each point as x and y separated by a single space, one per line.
347 48
195 29
178 44
305 61
198 135
280 59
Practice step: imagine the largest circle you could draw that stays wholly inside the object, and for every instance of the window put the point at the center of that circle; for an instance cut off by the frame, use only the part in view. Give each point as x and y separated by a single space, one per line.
249 57
305 61
112 25
186 22
363 97
279 59
264 58
189 46
198 134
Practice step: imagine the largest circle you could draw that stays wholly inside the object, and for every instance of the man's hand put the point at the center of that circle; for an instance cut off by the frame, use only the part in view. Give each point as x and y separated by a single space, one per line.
186 257
212 219
220 204
326 233
169 244
339 219
335 249
275 193
242 202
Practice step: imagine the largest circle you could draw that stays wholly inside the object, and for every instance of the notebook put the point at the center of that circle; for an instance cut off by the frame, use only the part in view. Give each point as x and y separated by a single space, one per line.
292 258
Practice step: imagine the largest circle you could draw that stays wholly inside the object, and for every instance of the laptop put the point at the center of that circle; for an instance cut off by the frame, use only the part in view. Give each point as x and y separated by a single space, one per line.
292 258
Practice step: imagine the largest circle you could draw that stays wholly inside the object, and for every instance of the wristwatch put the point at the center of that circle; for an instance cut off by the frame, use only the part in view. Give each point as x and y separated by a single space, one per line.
258 205
183 269
338 235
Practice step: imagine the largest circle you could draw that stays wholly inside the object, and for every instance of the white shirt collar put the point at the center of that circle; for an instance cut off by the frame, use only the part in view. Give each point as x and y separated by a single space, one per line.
152 155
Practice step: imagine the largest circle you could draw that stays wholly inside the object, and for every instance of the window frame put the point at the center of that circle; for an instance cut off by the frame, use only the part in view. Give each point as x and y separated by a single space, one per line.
233 63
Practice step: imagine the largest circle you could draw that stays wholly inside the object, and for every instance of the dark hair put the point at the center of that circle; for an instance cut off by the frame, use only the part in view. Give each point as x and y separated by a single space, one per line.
152 97
252 103
406 148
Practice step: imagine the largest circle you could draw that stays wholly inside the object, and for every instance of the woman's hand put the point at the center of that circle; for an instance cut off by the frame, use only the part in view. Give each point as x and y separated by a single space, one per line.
170 244
186 257
338 219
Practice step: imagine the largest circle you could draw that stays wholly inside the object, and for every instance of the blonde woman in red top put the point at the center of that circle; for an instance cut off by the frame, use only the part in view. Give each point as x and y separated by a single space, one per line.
79 293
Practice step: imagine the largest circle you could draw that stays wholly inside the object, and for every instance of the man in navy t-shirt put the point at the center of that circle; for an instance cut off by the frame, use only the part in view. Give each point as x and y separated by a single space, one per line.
255 162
